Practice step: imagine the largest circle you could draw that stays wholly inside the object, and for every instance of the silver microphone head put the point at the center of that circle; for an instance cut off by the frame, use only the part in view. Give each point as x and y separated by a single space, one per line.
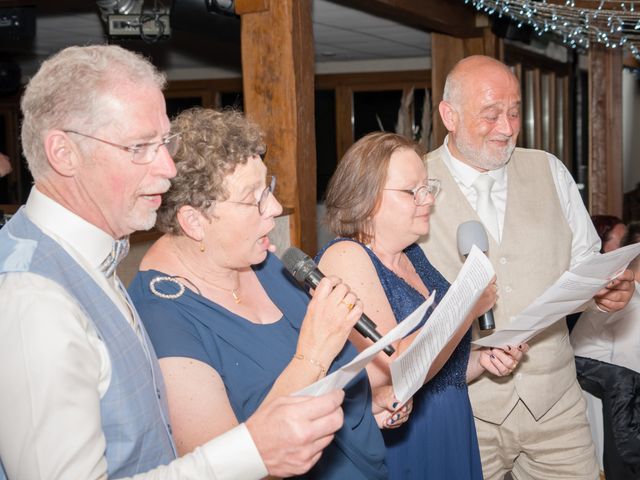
469 234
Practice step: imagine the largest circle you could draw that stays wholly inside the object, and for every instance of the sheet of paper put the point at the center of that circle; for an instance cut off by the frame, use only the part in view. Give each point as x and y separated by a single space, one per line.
573 289
608 265
410 369
341 377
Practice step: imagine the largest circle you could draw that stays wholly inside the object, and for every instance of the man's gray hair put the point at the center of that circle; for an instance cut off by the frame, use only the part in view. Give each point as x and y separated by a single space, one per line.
66 93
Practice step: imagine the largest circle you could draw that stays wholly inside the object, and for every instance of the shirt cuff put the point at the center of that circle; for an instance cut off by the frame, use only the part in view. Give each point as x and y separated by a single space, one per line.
592 306
233 455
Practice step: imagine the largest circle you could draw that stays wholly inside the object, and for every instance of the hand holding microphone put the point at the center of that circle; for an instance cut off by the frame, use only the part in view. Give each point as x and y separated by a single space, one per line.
469 234
305 271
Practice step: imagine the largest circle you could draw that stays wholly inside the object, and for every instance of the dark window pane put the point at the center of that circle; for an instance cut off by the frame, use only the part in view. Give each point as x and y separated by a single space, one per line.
178 104
325 138
233 100
374 111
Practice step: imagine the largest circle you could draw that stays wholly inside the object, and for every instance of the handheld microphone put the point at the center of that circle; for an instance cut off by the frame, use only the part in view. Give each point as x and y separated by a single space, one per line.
469 234
305 271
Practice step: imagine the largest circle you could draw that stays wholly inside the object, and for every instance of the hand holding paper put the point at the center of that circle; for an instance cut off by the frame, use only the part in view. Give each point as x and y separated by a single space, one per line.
573 289
409 370
616 293
344 375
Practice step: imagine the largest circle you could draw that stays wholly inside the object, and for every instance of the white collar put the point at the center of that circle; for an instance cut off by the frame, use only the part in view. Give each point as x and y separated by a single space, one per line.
465 173
84 239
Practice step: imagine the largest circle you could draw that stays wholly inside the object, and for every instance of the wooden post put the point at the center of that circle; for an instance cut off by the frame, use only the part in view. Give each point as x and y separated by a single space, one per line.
605 130
278 85
344 120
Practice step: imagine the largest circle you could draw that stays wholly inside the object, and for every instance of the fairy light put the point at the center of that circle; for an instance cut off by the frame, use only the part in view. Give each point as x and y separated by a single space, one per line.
615 24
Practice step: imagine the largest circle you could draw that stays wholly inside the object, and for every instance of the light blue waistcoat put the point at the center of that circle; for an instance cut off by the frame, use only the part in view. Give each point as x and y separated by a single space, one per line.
133 410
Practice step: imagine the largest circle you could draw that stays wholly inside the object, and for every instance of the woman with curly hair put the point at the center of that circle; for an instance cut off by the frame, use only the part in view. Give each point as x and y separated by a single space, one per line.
230 326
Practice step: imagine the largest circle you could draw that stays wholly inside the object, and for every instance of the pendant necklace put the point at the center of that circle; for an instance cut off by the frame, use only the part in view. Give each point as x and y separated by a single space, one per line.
235 292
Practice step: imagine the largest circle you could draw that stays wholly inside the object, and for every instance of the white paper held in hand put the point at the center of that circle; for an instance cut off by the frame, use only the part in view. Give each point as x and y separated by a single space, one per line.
571 291
341 377
410 369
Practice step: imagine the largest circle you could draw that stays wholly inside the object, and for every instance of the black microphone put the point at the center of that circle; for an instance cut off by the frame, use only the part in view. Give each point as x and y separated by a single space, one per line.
469 234
305 271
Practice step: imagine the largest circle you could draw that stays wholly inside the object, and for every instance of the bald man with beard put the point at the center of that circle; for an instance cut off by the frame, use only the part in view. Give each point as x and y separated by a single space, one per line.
532 423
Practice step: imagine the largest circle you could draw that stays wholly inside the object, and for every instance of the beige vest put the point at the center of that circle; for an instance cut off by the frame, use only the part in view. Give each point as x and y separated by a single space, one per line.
535 250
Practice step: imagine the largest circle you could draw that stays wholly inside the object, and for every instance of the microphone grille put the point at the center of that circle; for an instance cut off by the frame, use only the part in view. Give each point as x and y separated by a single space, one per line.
298 263
469 234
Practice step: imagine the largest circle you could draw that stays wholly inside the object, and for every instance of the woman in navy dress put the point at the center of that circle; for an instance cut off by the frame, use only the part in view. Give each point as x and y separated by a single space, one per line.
378 203
230 326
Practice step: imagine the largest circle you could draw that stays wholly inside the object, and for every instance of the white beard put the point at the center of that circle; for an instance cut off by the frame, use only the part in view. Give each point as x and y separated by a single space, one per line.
482 158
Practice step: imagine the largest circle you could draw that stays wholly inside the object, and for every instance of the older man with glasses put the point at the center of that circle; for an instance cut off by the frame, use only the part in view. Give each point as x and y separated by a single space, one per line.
82 396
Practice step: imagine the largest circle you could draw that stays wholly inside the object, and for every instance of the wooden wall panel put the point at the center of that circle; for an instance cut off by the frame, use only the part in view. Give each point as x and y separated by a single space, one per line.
344 120
605 130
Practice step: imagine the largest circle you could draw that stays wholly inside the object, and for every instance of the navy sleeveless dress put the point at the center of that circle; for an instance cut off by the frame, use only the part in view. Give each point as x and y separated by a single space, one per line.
439 440
249 357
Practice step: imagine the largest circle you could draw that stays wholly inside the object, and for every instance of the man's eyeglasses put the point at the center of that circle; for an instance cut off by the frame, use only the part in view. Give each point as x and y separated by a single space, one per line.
421 192
142 153
264 197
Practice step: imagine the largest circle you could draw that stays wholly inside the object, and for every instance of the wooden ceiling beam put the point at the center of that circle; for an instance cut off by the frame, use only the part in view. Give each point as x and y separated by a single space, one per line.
450 17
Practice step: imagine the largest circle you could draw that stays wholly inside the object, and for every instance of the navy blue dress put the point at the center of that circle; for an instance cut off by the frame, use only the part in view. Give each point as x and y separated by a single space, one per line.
249 357
439 440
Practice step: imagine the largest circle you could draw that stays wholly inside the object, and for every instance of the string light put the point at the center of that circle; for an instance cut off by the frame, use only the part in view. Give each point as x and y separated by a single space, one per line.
615 24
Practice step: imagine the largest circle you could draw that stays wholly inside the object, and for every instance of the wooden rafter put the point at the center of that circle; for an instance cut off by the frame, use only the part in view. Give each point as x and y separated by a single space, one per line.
451 17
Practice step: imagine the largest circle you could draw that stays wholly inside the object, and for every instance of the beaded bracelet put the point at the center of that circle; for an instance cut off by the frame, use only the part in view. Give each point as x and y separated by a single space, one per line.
313 362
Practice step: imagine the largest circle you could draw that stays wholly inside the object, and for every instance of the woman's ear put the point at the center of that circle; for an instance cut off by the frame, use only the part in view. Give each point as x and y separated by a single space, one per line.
63 155
192 222
449 116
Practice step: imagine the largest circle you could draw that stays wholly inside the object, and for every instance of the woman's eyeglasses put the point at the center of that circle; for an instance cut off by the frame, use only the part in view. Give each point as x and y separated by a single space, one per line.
421 192
264 197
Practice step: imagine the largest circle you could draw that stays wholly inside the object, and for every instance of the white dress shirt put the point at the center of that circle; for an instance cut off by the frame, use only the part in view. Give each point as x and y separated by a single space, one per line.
52 358
585 238
610 337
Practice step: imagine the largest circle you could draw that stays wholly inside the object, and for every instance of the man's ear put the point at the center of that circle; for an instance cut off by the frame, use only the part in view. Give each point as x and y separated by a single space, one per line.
63 155
449 116
192 222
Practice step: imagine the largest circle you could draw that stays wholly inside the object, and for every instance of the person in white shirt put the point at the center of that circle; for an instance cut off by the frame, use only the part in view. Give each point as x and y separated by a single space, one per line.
532 423
81 395
613 338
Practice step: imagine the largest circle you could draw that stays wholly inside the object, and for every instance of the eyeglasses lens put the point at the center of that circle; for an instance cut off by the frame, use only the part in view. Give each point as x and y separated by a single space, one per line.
264 197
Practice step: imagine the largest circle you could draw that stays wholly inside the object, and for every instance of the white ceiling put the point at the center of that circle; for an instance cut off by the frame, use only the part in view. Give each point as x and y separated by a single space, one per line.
343 36
346 34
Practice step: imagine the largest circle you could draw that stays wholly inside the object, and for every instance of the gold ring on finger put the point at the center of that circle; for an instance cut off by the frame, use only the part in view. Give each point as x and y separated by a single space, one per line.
348 305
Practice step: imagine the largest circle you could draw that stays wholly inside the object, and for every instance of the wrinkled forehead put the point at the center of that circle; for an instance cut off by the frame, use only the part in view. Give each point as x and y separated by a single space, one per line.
499 90
135 112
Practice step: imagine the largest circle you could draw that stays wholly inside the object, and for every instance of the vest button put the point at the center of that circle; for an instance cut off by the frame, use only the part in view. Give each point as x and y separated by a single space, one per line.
158 393
503 261
518 376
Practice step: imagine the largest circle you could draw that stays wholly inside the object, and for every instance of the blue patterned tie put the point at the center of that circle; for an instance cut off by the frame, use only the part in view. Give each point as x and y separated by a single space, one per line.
118 252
